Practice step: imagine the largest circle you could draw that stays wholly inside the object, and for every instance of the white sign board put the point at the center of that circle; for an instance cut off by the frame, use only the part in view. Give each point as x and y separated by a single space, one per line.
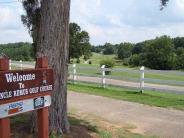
11 109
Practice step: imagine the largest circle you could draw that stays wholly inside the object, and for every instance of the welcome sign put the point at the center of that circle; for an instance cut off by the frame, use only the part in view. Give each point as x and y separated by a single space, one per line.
24 91
19 85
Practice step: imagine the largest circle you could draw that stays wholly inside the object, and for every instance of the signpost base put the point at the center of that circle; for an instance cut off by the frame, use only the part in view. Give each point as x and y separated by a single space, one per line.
5 128
43 123
5 122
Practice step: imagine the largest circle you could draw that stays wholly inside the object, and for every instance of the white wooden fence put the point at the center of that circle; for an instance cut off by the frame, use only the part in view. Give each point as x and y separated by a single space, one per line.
103 76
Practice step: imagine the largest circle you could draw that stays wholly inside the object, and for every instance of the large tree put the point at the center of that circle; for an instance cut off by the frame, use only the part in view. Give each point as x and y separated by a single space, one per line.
79 42
48 23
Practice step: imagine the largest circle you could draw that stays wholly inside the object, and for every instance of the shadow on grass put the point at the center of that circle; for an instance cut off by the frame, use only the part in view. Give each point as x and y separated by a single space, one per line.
21 126
81 128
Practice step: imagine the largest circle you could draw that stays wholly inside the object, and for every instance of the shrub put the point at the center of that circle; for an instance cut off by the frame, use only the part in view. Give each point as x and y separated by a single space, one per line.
90 62
126 61
135 60
78 61
86 57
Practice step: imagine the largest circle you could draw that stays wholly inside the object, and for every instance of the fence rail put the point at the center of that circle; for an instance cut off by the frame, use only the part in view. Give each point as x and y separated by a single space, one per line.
135 78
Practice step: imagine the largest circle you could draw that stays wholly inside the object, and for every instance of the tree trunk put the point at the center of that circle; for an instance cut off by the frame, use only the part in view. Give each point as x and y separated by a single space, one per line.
53 42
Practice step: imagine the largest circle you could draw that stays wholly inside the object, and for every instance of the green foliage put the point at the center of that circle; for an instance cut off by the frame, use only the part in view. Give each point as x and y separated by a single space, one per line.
180 58
124 50
96 49
79 42
135 60
52 135
78 61
137 49
108 49
18 51
178 42
109 63
158 54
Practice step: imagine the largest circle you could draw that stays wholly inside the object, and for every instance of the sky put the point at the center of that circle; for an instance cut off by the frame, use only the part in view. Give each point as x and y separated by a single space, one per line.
113 21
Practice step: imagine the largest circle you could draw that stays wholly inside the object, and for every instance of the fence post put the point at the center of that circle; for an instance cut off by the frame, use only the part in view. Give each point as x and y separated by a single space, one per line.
74 73
21 64
5 122
103 75
10 64
142 79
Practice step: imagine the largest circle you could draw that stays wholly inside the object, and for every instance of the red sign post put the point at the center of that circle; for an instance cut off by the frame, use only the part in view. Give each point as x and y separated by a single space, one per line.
23 91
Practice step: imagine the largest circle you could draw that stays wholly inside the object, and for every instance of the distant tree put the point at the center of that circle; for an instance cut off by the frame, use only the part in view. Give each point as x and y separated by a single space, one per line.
18 51
178 42
159 54
95 49
124 50
137 49
108 49
135 60
180 58
79 42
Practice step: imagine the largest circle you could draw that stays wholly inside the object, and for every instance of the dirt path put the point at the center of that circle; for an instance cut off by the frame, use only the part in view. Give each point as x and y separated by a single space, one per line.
164 88
166 123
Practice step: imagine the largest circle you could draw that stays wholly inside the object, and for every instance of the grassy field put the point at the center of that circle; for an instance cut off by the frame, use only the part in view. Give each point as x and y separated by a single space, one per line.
152 98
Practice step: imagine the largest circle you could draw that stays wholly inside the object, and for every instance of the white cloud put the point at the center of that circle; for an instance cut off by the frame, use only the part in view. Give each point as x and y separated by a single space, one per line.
11 27
122 20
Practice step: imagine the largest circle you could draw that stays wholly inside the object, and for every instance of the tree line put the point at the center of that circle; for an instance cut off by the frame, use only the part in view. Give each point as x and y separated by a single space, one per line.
18 51
164 53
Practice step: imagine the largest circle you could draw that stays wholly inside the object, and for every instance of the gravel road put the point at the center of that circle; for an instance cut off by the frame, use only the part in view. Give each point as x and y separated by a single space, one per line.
166 123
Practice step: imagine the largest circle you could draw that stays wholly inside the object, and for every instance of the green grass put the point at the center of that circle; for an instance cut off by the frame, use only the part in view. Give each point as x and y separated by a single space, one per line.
152 98
129 73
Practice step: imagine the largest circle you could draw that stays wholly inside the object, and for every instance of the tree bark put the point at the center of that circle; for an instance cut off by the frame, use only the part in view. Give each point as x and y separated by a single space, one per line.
53 42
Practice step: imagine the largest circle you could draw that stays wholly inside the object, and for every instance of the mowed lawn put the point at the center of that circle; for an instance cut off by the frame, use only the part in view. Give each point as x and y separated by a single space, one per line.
152 98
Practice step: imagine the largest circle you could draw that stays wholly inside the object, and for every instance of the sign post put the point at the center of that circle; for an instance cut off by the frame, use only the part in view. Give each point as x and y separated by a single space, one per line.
4 122
24 91
43 114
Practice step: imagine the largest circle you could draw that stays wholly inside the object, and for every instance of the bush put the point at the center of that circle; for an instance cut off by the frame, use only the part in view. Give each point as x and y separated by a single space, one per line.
90 62
86 57
135 60
126 61
78 61
109 63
